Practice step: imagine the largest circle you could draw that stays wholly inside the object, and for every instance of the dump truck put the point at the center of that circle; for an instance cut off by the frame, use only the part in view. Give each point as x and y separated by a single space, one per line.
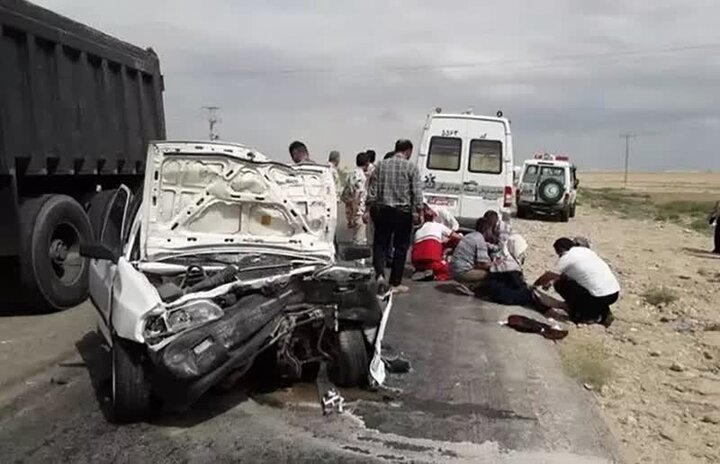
77 110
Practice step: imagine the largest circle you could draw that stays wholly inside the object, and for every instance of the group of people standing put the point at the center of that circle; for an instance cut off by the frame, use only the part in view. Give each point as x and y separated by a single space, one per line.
384 203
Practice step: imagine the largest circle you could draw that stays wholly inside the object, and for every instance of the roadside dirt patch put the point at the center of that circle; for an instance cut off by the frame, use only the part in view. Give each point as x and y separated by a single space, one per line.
662 398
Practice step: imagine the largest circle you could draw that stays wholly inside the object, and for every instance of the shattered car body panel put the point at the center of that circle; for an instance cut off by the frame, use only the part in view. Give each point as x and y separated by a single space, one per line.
229 256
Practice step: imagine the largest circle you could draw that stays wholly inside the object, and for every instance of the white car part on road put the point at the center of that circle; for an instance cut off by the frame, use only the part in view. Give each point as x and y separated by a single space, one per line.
377 366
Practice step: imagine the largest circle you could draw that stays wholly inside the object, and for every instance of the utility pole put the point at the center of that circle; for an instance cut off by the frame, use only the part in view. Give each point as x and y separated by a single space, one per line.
213 120
627 138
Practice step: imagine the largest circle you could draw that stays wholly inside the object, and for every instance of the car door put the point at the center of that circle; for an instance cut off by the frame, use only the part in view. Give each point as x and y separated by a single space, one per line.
484 169
102 272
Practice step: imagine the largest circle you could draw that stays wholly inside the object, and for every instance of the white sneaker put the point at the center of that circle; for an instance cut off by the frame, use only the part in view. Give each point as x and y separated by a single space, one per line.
400 289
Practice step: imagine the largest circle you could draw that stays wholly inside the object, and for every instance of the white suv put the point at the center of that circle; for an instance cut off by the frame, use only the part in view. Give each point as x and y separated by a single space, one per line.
547 185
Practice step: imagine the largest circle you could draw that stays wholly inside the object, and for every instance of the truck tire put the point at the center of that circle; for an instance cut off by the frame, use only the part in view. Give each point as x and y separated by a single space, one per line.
521 212
572 211
350 364
130 385
52 273
97 210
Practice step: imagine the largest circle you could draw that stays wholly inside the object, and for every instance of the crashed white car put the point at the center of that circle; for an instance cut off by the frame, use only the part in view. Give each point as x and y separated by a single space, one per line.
223 256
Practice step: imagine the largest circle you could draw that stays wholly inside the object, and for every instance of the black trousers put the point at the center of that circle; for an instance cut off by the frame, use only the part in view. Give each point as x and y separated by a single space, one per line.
582 305
393 226
509 288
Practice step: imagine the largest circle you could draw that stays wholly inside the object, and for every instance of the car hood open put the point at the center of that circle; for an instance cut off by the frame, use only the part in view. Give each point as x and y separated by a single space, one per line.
209 195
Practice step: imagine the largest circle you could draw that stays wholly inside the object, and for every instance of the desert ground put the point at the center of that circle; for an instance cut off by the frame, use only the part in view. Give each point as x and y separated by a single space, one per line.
656 371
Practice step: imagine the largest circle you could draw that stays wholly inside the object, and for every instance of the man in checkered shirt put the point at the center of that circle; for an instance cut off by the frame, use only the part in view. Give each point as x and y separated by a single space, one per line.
396 194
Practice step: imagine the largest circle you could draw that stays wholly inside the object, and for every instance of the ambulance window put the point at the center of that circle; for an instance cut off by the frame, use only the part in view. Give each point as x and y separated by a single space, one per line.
444 153
486 156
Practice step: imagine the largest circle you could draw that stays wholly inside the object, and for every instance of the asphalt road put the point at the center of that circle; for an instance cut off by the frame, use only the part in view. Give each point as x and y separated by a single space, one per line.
478 392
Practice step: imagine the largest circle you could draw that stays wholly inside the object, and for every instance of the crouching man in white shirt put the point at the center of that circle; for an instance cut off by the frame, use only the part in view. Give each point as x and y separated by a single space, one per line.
585 282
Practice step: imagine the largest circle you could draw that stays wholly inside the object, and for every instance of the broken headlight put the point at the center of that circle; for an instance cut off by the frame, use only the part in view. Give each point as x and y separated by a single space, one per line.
189 315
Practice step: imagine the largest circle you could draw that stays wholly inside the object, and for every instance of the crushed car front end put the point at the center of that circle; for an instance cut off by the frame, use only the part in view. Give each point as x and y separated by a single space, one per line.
236 258
198 338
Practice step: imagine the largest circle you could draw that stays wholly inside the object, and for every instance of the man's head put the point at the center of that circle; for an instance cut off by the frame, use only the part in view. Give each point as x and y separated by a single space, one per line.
492 217
428 213
484 227
334 158
563 245
405 147
362 160
298 152
371 155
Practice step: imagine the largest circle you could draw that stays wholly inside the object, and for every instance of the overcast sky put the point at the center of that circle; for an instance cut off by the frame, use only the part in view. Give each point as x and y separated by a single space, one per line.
359 75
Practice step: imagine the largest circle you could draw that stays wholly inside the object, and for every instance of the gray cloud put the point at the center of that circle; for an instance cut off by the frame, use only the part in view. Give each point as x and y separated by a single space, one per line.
359 75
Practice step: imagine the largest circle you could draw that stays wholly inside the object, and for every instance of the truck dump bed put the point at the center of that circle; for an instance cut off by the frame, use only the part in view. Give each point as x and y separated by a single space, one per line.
73 101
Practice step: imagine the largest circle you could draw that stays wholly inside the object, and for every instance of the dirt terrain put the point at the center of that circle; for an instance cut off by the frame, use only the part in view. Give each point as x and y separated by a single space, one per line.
656 371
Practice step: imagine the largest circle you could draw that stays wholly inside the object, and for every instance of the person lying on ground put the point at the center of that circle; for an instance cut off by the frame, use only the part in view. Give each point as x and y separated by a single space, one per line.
431 241
442 215
584 281
470 263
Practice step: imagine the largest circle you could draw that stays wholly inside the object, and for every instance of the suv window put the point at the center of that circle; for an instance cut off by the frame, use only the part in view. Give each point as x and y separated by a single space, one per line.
485 156
555 172
444 153
531 174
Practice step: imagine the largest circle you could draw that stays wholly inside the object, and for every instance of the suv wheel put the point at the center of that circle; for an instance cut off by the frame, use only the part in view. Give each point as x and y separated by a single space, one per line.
130 386
572 211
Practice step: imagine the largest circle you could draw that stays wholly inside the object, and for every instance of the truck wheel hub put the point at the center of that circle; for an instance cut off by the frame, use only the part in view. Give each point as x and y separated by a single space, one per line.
58 251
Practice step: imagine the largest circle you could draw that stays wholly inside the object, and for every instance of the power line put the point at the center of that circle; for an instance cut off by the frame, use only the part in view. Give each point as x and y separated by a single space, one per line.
541 62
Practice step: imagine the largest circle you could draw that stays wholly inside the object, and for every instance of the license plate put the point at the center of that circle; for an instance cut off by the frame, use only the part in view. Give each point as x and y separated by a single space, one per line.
442 201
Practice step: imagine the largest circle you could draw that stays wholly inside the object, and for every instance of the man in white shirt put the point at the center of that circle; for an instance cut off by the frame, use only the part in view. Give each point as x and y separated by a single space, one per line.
585 282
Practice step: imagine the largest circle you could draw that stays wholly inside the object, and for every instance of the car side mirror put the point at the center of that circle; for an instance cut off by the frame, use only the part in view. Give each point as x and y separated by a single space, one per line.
98 251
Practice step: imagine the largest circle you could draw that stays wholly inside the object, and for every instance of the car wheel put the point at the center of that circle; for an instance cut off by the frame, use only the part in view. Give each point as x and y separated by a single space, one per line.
52 272
521 213
97 210
572 211
350 363
130 386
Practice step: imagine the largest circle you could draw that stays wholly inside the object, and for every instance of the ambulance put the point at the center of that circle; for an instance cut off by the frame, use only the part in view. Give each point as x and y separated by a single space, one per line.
466 164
